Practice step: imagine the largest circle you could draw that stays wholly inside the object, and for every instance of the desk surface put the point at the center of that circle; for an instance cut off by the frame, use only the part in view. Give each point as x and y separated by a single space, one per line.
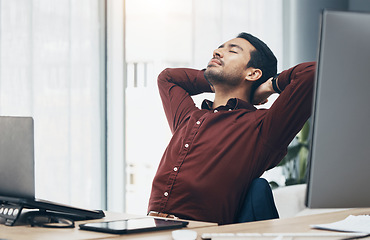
27 232
289 225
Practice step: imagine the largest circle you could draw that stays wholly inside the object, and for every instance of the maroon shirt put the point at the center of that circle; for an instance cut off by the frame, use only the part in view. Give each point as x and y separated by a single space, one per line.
214 154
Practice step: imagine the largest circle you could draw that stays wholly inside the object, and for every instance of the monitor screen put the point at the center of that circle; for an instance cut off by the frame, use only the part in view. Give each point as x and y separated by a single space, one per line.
339 158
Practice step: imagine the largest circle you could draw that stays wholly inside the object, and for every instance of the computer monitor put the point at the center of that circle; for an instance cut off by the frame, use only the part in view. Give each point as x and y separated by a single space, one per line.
339 158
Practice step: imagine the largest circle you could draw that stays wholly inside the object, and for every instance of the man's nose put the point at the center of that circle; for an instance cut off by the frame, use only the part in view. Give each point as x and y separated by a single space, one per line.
217 53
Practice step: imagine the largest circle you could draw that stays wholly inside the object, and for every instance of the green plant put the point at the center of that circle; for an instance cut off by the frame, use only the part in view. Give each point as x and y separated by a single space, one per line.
294 164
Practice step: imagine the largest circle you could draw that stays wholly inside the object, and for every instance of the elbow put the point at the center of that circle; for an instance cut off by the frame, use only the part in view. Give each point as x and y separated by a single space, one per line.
164 76
312 71
308 70
311 68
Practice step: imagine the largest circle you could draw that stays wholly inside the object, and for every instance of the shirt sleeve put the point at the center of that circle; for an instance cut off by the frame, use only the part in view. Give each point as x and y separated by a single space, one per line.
176 86
292 108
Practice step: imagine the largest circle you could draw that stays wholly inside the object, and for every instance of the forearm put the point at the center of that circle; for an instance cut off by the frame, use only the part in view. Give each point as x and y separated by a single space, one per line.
190 80
175 88
300 72
278 83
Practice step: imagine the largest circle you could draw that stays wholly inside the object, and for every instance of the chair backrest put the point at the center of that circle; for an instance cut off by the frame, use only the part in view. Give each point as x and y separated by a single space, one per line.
258 204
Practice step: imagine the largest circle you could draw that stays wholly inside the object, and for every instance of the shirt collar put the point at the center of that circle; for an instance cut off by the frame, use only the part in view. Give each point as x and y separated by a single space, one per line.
233 103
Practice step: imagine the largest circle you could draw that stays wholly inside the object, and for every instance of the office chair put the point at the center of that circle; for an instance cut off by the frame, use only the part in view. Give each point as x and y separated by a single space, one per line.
258 204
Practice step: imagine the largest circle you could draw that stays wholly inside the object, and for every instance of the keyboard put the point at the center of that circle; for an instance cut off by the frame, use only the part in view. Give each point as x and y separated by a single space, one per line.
281 236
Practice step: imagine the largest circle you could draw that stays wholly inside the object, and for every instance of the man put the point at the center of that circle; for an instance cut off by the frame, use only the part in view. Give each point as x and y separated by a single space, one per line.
217 151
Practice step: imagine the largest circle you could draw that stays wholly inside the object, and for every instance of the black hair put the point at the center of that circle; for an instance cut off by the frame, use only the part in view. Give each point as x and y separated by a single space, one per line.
262 58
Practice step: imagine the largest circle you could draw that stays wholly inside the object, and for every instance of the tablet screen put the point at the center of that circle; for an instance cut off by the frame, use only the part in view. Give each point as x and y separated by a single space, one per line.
133 225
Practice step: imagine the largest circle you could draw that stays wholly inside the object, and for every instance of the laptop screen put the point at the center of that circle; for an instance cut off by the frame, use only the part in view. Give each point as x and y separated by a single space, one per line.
17 157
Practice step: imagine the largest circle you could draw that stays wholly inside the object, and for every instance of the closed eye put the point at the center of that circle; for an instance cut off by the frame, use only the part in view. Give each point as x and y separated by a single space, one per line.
235 48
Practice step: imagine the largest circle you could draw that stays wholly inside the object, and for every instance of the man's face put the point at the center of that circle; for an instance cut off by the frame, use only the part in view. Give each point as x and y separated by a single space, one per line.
229 63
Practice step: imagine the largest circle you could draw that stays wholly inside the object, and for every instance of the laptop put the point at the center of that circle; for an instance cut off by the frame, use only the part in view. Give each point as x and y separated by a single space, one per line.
17 178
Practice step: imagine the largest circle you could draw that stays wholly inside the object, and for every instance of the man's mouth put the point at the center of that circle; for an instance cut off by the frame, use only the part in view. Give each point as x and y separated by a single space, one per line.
215 62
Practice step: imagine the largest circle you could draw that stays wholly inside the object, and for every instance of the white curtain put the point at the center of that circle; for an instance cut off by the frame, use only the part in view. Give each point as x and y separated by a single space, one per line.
51 69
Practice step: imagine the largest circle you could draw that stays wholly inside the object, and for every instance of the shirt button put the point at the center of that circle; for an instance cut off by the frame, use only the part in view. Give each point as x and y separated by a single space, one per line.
186 145
165 194
175 169
198 122
215 111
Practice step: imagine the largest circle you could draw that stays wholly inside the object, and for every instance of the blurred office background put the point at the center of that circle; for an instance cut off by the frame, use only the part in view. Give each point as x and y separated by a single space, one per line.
86 71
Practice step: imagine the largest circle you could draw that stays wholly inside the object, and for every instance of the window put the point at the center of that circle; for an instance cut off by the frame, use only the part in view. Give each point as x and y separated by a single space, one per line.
52 68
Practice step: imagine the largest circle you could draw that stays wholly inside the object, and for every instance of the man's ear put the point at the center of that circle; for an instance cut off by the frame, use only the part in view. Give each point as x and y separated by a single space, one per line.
253 74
